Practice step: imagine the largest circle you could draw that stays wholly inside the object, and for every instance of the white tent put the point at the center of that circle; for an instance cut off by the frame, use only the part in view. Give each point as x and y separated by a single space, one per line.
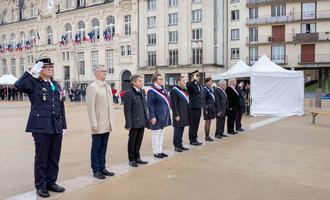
275 90
240 69
8 79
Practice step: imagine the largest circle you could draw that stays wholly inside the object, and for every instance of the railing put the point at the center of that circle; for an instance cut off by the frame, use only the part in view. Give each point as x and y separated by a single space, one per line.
289 17
312 37
312 59
278 59
266 39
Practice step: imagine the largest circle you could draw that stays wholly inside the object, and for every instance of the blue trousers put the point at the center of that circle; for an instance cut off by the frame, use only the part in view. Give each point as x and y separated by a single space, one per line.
177 137
98 151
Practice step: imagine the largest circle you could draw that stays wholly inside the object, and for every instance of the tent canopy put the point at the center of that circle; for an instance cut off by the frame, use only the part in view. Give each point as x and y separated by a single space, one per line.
240 69
8 79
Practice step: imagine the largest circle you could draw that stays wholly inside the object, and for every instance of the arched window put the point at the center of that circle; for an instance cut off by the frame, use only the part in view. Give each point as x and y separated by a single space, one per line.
32 36
13 40
68 31
22 38
81 29
96 28
110 25
12 14
5 13
49 35
4 41
32 11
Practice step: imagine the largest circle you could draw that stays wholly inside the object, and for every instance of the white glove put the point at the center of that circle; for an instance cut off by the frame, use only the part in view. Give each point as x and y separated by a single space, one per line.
37 67
64 131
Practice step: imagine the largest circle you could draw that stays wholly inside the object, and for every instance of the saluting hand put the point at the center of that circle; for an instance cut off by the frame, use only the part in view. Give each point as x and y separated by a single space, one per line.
37 67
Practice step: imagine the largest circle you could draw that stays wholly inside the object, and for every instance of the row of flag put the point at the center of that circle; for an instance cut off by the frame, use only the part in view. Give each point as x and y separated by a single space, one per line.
18 48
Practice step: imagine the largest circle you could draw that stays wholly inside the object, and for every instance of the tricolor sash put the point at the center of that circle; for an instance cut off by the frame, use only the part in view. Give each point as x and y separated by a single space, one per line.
234 90
210 92
181 93
162 97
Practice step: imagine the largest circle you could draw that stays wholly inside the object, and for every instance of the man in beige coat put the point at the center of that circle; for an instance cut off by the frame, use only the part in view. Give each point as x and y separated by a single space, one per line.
99 107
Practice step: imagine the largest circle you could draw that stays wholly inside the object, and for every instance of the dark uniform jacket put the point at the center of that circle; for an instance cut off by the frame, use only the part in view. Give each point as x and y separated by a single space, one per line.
180 107
221 101
208 99
241 98
158 108
135 108
195 95
233 99
47 115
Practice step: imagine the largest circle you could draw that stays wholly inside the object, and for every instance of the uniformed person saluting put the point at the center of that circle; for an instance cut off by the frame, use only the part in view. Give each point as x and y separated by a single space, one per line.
46 123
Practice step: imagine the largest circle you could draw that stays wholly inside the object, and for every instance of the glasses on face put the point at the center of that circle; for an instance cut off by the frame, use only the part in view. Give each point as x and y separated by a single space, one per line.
103 71
48 67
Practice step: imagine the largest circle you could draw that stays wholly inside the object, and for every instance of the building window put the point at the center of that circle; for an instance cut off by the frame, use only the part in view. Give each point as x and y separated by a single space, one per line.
110 26
95 59
33 10
122 51
147 80
81 29
234 15
308 10
173 37
129 50
128 27
173 19
13 66
195 1
308 28
197 34
30 59
81 3
109 60
152 39
4 66
68 32
235 34
21 65
173 57
49 35
278 10
68 4
66 55
151 5
197 56
4 41
253 34
96 28
197 15
13 40
253 54
278 54
152 58
81 63
22 38
32 36
253 13
235 53
172 3
151 22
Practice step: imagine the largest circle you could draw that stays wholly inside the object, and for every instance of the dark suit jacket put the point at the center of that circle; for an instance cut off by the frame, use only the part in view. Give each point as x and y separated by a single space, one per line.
208 99
195 94
241 98
135 109
180 107
233 99
221 101
47 115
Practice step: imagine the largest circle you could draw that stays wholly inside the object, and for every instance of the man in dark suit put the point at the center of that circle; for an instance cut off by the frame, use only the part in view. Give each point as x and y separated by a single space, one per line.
221 104
241 108
136 119
46 122
233 106
195 107
180 108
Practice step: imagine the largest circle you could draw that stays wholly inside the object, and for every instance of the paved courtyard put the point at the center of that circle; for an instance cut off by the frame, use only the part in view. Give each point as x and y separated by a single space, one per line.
278 158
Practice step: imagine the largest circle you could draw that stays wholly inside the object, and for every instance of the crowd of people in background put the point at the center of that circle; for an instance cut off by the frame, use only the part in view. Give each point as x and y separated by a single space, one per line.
10 93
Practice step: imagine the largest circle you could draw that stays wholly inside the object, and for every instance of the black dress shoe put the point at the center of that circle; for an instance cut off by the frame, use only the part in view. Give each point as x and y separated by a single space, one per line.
55 188
107 173
218 136
240 130
196 143
98 175
164 154
178 150
142 162
224 135
209 139
133 164
43 193
232 133
183 148
158 155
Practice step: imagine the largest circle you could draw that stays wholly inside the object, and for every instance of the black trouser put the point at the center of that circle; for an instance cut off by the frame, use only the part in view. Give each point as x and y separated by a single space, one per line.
231 120
99 150
177 137
47 157
220 127
194 119
238 123
134 143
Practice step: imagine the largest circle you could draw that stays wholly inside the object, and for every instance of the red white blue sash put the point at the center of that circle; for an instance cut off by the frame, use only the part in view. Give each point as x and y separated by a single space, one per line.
181 93
234 90
162 96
